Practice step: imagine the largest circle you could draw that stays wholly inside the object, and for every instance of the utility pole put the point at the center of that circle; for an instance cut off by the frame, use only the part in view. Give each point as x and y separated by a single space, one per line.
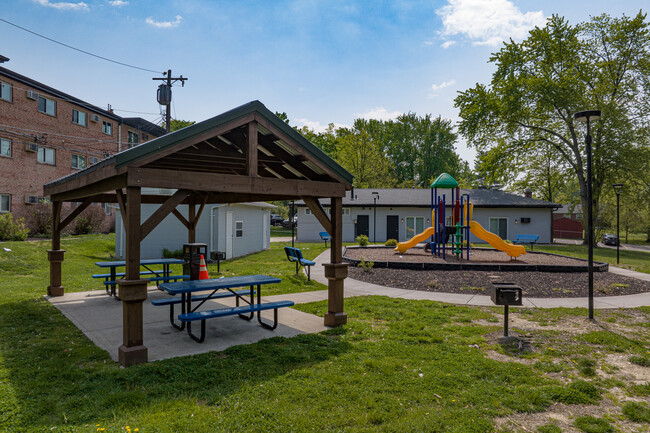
165 94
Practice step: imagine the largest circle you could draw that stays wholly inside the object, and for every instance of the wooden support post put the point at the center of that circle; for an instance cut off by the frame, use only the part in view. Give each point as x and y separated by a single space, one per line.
336 271
55 255
251 154
132 290
191 216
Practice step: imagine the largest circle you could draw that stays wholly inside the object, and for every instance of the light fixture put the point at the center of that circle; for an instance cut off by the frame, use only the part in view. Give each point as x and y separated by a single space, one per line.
617 189
402 221
516 221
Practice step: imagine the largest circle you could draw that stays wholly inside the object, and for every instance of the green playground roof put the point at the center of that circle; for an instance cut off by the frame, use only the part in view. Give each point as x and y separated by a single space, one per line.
445 180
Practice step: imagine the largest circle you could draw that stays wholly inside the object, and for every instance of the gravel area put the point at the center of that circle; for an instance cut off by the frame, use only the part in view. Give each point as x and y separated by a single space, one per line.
534 284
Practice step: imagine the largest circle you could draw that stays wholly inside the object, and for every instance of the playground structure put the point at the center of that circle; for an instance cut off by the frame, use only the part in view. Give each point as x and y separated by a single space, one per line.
458 225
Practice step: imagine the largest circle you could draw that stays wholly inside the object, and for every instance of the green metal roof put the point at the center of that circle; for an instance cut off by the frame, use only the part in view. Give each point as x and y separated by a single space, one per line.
445 180
134 154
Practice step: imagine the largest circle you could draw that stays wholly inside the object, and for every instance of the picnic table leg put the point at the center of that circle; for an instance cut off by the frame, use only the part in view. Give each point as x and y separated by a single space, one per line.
113 276
252 301
171 314
259 313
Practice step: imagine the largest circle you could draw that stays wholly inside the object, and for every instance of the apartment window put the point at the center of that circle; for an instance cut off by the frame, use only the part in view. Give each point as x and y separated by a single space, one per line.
145 137
107 128
92 160
344 211
107 208
239 229
5 91
5 203
5 147
414 225
134 139
79 117
78 162
46 155
46 106
499 226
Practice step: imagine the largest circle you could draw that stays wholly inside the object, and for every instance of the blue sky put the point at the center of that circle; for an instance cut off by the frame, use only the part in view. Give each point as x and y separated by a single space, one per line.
319 61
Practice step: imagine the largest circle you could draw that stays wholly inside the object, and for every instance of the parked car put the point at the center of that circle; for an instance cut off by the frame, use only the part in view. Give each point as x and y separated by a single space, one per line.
610 239
276 219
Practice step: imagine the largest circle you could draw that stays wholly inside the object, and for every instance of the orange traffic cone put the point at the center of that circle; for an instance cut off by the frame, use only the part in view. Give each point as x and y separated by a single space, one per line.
203 270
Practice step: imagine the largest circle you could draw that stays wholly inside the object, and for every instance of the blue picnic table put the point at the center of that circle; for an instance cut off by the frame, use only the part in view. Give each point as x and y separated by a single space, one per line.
219 288
160 275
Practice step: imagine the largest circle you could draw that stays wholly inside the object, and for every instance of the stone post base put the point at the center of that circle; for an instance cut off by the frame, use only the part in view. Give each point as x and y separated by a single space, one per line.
132 355
132 293
55 257
335 274
55 291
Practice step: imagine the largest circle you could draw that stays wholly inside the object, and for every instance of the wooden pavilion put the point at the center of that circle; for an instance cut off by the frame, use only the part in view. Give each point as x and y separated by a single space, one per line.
245 154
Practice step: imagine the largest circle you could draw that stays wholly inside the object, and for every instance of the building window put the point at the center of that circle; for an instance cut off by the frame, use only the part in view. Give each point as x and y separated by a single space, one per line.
5 91
92 160
307 211
5 203
134 139
145 137
46 106
5 147
499 226
107 128
107 208
46 155
79 117
78 162
414 225
239 229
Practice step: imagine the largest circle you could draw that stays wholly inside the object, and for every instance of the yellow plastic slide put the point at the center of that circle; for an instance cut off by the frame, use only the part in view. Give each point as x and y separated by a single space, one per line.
403 246
496 241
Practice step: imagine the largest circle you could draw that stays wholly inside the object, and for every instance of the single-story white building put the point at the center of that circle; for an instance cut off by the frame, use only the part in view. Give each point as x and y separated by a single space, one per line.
236 229
400 214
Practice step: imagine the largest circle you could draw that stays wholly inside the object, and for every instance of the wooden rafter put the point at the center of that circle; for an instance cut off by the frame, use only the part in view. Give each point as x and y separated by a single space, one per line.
75 213
162 212
319 213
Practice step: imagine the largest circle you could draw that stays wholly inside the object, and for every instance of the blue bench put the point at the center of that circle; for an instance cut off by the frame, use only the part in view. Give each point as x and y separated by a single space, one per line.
325 237
232 311
177 300
295 255
526 239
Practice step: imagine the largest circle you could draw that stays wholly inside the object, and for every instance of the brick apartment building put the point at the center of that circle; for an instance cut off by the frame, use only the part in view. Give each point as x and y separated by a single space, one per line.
46 134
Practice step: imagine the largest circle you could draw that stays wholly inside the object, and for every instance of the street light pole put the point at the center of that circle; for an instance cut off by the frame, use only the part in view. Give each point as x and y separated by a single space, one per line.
375 196
617 188
585 116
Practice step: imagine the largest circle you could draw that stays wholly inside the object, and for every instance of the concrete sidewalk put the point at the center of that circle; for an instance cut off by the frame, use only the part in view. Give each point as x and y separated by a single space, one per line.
360 288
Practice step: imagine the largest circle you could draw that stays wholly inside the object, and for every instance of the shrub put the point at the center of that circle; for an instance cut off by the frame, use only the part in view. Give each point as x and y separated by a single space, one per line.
169 254
366 265
89 221
636 412
39 219
362 240
11 229
590 424
391 243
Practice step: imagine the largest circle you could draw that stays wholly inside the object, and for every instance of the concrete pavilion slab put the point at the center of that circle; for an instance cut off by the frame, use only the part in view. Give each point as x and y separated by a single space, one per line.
99 317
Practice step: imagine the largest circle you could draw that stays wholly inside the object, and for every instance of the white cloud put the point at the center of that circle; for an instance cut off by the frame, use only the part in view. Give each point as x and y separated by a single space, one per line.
80 6
436 87
165 24
447 44
487 22
379 113
118 3
316 126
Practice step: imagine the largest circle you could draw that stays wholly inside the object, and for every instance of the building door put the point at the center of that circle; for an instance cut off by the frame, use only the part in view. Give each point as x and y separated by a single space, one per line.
266 223
229 234
392 227
499 226
363 225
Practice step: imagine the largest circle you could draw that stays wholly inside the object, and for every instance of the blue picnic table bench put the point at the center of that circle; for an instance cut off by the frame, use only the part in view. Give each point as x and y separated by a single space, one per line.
295 255
190 313
526 239
325 237
110 279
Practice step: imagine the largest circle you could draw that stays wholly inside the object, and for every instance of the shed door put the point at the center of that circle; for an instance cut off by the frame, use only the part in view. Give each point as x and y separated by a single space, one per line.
392 227
266 223
363 225
229 234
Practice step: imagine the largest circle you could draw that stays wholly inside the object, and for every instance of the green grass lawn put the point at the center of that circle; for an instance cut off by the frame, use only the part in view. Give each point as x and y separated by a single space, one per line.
397 366
280 231
635 260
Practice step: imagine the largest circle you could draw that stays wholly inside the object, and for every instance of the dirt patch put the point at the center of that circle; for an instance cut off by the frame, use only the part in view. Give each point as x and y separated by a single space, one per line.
534 284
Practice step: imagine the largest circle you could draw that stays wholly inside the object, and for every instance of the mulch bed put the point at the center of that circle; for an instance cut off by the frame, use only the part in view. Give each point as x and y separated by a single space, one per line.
534 284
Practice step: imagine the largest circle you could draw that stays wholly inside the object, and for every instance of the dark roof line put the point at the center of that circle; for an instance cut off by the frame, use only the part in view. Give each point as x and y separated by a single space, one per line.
144 125
45 88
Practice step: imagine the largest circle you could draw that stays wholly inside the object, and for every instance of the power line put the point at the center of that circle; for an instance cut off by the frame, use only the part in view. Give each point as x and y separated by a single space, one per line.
80 50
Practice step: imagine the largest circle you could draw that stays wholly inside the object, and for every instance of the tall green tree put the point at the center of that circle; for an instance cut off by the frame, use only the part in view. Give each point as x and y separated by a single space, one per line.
177 124
541 82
